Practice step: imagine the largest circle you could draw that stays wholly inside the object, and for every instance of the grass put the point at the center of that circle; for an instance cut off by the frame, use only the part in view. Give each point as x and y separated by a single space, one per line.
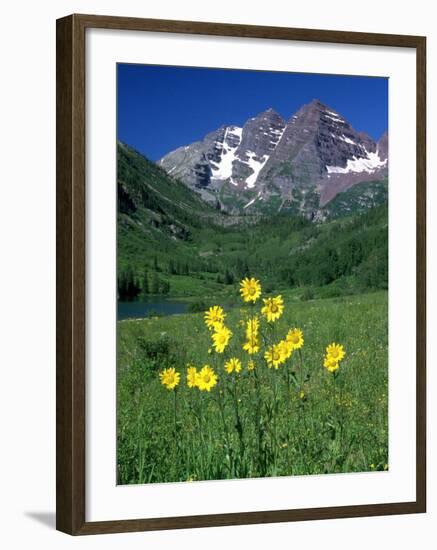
262 424
197 285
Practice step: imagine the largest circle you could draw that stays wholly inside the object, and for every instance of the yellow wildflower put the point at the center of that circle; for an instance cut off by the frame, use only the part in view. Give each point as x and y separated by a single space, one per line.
273 308
273 356
252 327
232 365
252 345
295 337
192 377
214 317
251 365
206 379
169 378
330 364
221 338
250 289
335 351
286 349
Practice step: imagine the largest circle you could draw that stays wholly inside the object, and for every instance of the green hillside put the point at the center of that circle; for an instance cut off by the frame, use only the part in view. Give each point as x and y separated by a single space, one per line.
171 242
358 199
152 207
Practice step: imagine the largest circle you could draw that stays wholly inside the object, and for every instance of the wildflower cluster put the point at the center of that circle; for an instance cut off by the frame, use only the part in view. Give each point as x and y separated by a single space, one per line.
204 380
236 371
334 355
275 353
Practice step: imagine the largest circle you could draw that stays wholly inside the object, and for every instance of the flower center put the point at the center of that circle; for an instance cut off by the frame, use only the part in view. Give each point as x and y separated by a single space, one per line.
275 356
273 308
335 353
207 378
252 290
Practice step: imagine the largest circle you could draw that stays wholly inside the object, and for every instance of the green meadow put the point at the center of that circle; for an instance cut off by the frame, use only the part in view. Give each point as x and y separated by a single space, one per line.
297 420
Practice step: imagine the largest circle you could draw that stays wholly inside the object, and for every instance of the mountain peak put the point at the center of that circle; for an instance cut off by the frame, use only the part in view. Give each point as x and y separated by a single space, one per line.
269 113
317 103
315 151
315 110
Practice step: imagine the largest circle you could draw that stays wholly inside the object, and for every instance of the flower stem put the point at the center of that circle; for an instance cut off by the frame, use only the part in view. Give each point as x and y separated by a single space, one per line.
300 369
261 461
238 424
176 435
202 436
226 431
288 418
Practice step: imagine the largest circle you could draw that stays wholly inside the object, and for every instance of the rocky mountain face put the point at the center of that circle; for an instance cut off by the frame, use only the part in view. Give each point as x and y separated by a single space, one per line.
231 155
272 164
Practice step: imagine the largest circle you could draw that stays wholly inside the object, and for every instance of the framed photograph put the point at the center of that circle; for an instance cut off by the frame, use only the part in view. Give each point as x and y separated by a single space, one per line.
240 274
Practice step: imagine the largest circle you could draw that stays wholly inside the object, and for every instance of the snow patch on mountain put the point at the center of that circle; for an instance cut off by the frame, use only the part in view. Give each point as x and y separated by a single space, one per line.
368 164
277 135
346 139
230 150
255 161
222 169
334 117
256 166
253 200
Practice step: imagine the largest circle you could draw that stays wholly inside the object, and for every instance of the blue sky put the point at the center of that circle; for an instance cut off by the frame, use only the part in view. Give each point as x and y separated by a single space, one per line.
161 108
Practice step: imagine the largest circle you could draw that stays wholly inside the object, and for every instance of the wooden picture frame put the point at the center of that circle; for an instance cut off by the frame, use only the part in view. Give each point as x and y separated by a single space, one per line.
71 283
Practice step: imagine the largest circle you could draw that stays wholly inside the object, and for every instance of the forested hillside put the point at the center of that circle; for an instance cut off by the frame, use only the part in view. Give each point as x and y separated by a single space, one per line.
171 242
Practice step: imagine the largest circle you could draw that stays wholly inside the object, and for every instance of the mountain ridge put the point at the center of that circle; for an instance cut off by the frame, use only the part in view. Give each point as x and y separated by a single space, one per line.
307 159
